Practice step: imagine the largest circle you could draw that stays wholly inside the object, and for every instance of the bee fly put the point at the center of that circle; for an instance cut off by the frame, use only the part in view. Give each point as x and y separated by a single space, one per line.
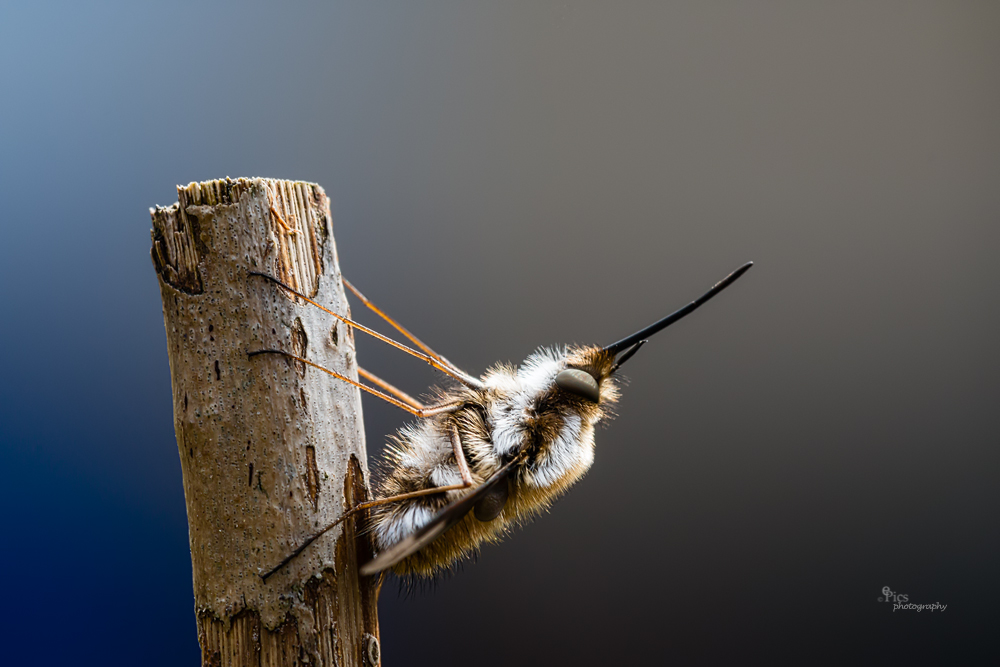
488 453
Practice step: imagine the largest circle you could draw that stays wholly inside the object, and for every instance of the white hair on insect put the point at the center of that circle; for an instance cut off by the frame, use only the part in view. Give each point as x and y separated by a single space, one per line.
429 453
572 451
521 390
412 518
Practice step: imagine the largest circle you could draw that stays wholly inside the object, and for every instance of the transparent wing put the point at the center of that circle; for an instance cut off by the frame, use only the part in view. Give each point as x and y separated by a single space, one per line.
441 522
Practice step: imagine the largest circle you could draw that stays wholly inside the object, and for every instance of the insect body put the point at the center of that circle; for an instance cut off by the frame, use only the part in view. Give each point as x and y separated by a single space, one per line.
532 437
490 452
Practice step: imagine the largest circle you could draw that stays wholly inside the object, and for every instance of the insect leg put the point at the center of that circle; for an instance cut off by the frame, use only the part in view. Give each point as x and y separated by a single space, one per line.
463 465
462 377
355 510
463 468
428 411
400 328
441 522
398 393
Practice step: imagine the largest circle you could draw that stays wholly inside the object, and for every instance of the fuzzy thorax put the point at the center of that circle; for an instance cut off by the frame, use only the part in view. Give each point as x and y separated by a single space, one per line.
522 414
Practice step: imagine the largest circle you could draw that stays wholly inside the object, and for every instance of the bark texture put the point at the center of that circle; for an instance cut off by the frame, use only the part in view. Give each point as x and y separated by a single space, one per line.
270 451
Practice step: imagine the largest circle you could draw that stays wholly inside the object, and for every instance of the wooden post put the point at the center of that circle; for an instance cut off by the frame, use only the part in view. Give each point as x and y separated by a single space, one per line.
270 452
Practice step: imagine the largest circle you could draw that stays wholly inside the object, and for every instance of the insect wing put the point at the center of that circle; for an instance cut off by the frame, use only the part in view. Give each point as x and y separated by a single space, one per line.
441 522
490 505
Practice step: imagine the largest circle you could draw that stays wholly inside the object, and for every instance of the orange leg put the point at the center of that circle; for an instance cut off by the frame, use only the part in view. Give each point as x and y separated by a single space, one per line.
400 328
467 482
447 369
398 393
427 411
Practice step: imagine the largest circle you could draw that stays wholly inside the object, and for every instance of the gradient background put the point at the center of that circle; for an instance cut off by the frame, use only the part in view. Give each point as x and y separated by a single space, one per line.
519 174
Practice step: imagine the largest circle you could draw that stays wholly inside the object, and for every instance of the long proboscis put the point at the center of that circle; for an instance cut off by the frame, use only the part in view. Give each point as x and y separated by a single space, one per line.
659 325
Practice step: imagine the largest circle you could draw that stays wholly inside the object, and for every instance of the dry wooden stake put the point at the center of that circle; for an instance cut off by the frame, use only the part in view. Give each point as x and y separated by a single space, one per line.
269 453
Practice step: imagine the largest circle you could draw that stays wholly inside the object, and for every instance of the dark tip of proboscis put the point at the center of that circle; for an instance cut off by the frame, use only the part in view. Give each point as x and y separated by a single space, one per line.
626 343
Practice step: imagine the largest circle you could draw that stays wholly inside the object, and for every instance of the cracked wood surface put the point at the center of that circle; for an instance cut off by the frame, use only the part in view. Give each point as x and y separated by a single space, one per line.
270 452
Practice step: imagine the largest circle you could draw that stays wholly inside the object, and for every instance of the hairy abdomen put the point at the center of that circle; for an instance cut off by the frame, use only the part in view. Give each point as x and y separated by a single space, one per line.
422 458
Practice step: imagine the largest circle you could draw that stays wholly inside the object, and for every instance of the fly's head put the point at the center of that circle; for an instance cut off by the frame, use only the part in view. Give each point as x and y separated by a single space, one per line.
546 409
587 380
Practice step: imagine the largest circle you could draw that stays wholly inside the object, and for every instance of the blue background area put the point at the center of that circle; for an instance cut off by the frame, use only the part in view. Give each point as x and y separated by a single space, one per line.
519 174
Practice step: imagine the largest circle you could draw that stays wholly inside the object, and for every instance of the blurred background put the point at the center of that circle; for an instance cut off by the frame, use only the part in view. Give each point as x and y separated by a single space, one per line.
509 175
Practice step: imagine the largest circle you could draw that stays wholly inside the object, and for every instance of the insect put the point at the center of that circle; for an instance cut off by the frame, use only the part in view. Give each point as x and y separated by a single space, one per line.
490 452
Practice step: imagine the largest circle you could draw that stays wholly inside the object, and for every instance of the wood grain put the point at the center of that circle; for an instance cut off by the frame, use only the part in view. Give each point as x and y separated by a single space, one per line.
270 452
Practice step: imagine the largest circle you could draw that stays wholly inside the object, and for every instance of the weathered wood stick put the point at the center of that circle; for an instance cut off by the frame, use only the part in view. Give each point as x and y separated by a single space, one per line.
269 452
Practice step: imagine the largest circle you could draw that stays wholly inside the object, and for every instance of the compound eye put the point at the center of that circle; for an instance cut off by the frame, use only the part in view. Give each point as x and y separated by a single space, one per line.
580 383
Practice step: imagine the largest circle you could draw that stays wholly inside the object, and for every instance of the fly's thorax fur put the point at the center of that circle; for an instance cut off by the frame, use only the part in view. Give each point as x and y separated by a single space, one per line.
529 413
